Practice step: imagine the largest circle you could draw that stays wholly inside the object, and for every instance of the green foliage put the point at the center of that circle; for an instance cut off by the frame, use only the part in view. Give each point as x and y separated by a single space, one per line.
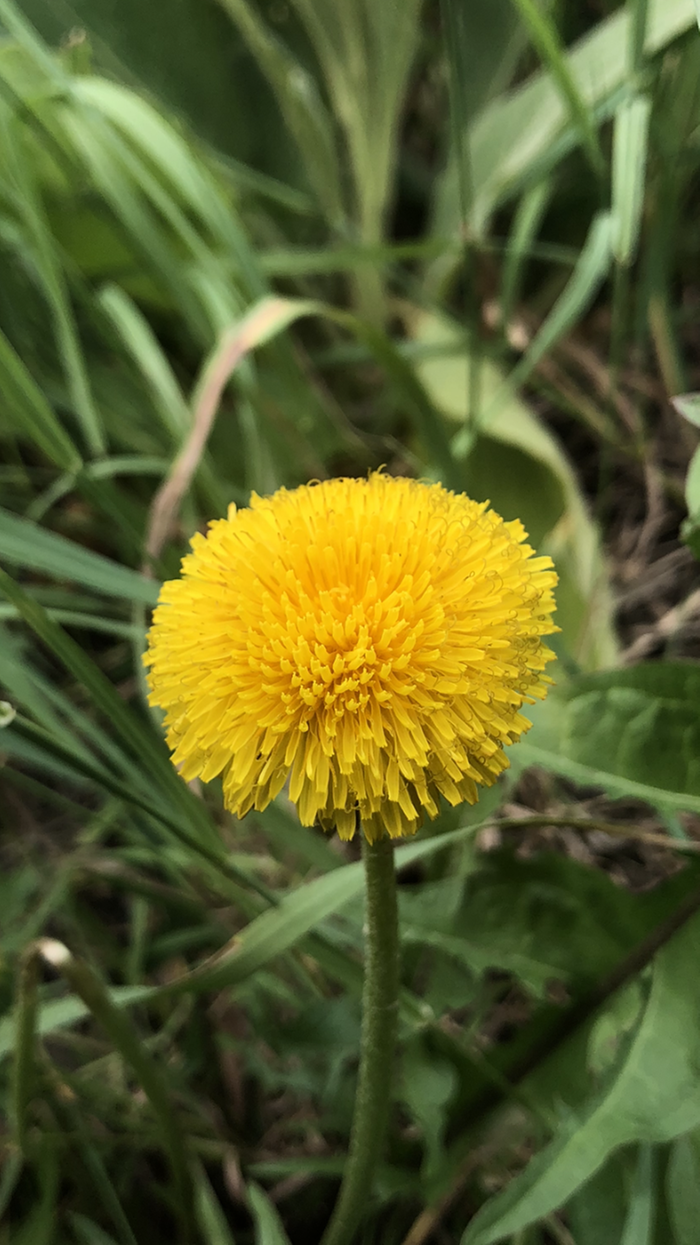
633 731
651 1099
242 248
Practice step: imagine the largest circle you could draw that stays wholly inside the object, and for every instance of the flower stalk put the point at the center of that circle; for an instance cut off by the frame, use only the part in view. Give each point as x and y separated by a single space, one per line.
378 1042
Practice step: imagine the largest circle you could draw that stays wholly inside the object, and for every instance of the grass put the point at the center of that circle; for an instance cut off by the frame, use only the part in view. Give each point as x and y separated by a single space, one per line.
191 310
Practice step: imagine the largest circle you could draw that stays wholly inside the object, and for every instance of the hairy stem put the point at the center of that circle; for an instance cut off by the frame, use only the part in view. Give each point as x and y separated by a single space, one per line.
379 1022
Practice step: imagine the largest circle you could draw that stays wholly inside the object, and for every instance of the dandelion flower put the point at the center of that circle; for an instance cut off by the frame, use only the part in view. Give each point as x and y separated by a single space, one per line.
373 641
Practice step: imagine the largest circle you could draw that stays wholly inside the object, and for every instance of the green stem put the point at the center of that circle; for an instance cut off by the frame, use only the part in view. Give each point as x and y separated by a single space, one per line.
378 1040
25 1040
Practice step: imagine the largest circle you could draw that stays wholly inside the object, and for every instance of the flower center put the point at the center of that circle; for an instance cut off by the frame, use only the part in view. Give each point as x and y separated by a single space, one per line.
338 653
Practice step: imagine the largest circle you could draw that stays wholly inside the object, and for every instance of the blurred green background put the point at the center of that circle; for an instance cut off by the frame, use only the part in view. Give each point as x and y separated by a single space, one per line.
245 244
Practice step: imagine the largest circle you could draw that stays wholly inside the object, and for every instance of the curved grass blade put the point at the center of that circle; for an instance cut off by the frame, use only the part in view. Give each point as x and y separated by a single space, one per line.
137 740
545 38
141 342
26 407
51 277
87 985
32 547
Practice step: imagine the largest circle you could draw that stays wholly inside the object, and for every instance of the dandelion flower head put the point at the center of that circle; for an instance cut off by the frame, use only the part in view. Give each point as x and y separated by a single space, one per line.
371 640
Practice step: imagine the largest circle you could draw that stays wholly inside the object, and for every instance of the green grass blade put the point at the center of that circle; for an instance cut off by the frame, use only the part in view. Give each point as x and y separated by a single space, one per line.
37 746
269 1229
454 18
620 787
301 105
87 1232
87 985
23 1069
212 1221
641 1215
11 1172
545 39
98 152
25 34
29 413
525 131
638 33
301 910
85 1229
179 164
526 223
51 275
630 138
26 544
590 271
138 741
143 346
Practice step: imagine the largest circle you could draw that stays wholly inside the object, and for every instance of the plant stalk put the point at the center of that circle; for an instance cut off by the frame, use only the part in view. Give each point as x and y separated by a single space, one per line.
126 1040
23 1072
378 1041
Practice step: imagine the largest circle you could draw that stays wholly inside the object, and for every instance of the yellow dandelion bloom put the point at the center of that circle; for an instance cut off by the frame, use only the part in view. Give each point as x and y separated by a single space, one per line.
371 640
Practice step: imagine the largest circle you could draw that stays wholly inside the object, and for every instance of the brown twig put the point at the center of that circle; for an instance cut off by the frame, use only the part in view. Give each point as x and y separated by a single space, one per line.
668 625
587 824
234 344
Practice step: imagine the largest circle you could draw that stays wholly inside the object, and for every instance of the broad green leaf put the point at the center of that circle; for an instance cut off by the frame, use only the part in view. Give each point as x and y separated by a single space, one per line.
692 486
542 920
652 1099
633 732
590 776
688 405
428 1084
612 1028
596 1214
28 412
683 1189
27 545
519 467
545 38
269 1229
527 128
